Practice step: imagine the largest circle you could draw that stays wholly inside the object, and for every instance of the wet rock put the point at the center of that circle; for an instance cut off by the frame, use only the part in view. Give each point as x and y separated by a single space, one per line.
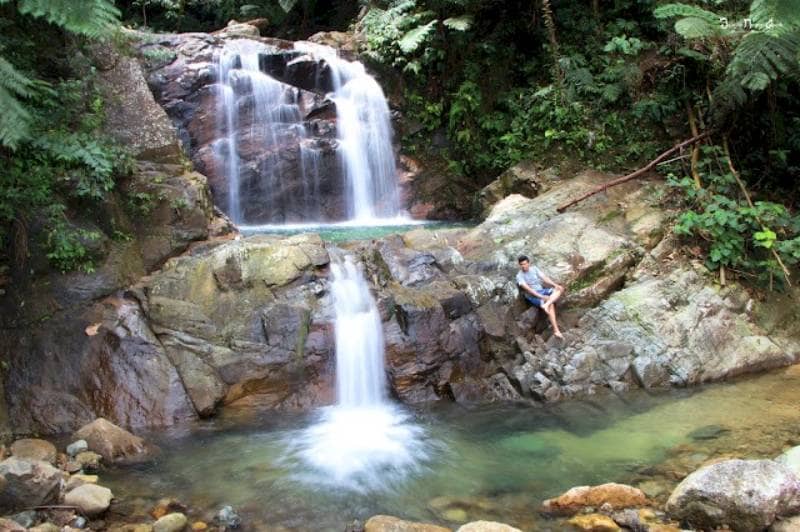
25 519
522 178
594 523
79 480
790 524
708 432
387 523
114 444
228 517
199 526
77 447
174 522
44 527
487 526
34 449
92 499
791 459
7 525
617 496
743 494
167 506
88 461
29 483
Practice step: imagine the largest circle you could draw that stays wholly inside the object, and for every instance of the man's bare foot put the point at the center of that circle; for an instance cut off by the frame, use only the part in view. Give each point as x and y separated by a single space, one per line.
558 335
546 306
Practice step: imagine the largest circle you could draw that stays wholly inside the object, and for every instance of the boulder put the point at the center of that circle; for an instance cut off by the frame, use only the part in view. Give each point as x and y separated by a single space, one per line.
114 444
746 495
387 523
29 483
616 496
174 522
487 526
791 459
523 178
34 449
594 523
92 499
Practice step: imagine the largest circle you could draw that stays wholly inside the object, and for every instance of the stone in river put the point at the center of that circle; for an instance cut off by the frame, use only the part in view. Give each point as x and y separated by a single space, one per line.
174 522
617 496
34 449
227 517
115 444
708 432
28 483
388 523
77 447
92 499
594 523
88 460
487 526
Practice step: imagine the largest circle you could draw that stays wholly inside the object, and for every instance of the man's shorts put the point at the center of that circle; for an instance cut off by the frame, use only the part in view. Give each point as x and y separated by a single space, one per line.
535 300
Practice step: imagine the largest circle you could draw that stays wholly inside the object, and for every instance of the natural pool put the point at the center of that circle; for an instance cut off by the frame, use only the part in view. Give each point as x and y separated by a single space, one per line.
350 231
497 462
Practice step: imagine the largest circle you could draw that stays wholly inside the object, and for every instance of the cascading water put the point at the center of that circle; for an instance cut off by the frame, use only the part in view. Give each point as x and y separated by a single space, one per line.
264 150
363 439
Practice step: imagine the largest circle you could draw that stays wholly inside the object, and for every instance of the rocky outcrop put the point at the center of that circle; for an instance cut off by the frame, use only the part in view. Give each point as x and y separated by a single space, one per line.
745 495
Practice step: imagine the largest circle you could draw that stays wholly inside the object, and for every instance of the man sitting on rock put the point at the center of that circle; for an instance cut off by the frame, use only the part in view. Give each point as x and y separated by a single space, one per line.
531 281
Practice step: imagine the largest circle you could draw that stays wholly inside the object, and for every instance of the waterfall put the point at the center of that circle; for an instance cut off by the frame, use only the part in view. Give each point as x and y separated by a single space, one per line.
364 132
269 159
364 442
360 376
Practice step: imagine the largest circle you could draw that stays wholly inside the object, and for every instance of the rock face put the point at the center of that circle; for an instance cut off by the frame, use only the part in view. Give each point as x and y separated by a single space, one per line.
277 169
746 495
616 496
29 483
114 444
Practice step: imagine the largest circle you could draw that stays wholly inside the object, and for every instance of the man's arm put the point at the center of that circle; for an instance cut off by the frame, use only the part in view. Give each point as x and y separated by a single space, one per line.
531 291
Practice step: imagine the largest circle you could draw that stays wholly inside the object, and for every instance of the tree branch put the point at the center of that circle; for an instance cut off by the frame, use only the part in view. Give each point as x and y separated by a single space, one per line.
635 174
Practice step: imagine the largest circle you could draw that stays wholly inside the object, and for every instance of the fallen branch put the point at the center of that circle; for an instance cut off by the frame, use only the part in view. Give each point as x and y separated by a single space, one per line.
635 174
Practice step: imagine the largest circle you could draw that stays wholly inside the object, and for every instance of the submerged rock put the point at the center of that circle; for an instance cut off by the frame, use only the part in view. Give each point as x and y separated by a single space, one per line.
615 496
228 517
487 526
174 522
388 523
115 444
594 523
746 495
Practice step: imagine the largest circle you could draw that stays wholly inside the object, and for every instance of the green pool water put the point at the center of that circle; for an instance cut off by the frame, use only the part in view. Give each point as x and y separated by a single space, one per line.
492 462
346 232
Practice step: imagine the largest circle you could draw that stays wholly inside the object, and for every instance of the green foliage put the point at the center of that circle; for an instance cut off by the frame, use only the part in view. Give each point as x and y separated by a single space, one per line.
68 246
736 236
91 18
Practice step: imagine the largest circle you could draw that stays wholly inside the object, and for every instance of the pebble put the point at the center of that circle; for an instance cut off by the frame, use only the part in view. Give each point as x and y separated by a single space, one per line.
88 460
77 447
79 522
228 517
174 522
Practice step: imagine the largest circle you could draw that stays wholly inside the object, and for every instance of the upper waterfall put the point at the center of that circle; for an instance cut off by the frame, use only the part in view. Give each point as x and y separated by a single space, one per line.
281 162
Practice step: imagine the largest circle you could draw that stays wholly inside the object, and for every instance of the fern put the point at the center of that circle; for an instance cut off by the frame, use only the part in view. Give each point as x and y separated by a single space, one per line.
92 18
462 23
415 37
287 5
685 10
15 119
762 58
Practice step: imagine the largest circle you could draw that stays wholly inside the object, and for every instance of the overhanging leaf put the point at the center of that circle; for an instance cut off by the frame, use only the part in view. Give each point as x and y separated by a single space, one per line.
412 39
462 23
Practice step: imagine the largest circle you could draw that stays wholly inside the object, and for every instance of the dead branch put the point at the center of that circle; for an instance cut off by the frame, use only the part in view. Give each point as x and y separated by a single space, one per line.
649 166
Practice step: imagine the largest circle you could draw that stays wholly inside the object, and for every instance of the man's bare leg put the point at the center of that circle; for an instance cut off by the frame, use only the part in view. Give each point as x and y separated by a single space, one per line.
555 296
551 314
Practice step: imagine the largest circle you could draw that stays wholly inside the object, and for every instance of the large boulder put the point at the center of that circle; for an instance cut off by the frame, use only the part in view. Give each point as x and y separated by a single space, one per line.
388 523
114 444
34 449
745 495
612 495
91 499
29 483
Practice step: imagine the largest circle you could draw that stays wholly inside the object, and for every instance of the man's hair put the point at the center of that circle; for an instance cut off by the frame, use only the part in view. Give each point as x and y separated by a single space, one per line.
522 258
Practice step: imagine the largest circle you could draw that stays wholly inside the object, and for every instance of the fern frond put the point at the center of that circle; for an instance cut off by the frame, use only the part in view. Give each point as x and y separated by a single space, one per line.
92 18
13 80
781 13
686 10
287 5
15 120
462 23
415 37
761 58
697 28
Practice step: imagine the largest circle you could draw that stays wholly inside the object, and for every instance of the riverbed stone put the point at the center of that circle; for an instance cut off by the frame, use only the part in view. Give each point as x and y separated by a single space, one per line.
791 459
228 517
743 494
115 444
44 527
790 524
487 526
76 447
93 500
88 461
79 480
34 449
616 496
7 525
174 522
29 483
594 523
387 523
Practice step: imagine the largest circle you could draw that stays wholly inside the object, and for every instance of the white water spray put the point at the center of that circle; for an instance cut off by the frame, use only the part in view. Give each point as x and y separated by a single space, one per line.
364 439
